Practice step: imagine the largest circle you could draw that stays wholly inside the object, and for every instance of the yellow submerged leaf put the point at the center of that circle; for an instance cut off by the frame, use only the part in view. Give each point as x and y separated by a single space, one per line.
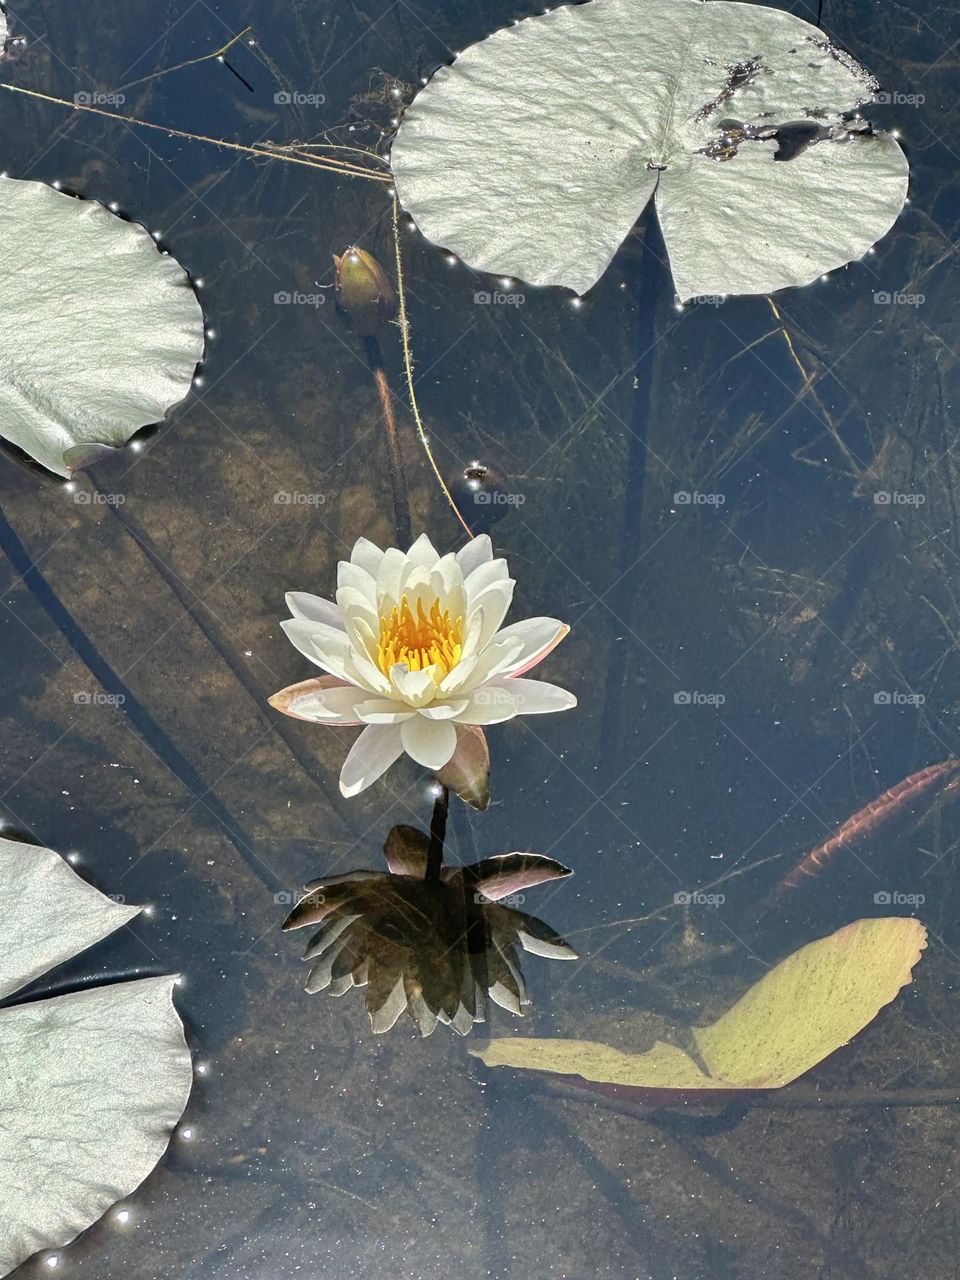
809 1005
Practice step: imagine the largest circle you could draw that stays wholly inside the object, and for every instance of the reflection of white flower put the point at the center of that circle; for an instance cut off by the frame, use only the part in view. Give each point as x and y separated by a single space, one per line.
415 652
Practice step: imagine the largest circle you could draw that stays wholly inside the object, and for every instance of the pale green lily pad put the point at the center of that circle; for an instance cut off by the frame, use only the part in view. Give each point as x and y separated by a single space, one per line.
93 1082
535 153
100 332
805 1008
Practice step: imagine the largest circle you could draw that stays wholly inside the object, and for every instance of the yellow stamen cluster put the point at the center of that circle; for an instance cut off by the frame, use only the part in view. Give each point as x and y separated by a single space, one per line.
419 639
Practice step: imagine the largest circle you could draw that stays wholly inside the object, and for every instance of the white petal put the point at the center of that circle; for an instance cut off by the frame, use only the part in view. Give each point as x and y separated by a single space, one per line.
351 575
495 659
457 676
429 742
533 697
384 711
324 645
360 670
538 637
489 572
367 555
423 552
488 705
353 605
331 706
313 608
376 749
444 710
415 687
390 574
55 913
477 552
486 612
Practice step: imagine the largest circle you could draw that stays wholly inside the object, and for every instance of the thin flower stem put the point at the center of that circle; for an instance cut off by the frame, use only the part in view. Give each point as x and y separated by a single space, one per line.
191 62
408 368
326 163
438 832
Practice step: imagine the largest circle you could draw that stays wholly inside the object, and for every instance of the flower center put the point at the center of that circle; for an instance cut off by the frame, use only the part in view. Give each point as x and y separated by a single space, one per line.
419 639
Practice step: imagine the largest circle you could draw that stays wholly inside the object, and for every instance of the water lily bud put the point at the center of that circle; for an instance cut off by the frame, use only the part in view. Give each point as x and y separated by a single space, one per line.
364 292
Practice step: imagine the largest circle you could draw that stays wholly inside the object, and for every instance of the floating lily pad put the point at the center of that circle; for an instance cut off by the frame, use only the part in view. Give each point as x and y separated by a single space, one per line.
806 1007
92 1083
535 153
100 332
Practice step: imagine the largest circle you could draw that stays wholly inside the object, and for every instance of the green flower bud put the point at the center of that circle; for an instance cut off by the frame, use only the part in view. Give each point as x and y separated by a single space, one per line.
364 292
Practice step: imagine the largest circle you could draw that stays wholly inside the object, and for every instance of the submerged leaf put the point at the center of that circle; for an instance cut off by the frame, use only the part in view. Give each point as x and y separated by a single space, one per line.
739 117
100 333
806 1007
93 1082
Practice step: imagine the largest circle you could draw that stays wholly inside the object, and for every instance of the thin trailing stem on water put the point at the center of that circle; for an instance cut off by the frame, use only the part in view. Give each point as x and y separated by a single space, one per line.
408 368
218 55
328 163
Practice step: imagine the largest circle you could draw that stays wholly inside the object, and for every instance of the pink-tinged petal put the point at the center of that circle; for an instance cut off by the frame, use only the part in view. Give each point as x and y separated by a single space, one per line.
503 874
444 710
406 850
477 552
384 711
489 704
377 748
320 701
429 742
313 609
531 697
539 637
467 773
367 555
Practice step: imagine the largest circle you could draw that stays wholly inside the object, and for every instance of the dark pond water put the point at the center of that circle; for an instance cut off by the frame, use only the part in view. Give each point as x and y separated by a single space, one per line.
822 621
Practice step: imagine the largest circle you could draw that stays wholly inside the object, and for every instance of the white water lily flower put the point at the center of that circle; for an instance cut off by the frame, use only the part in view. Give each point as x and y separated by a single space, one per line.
415 652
